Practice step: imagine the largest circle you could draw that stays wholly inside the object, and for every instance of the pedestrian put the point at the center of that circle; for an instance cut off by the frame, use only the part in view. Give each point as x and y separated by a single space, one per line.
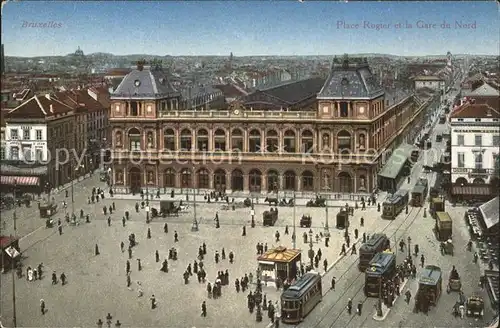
153 302
118 324
113 205
165 228
127 267
60 229
244 231
319 253
129 282
139 265
63 279
149 233
333 283
97 250
42 306
360 307
286 230
176 237
122 246
109 221
123 221
356 232
325 264
353 250
130 252
204 309
99 323
157 256
422 260
362 222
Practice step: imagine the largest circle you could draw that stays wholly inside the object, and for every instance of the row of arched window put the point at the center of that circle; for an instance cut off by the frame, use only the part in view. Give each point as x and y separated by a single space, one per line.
235 181
271 142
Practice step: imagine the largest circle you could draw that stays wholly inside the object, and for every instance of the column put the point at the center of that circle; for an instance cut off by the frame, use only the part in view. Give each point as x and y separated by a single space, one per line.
355 185
157 173
246 182
193 139
211 180
298 182
245 141
264 182
125 175
177 139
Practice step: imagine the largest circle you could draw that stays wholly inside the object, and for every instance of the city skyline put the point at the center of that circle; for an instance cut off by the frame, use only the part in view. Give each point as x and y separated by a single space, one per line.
31 29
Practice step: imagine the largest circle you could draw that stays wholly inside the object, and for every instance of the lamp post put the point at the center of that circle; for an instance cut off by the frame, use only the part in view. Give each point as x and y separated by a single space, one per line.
75 175
14 312
311 251
294 235
409 247
195 222
327 229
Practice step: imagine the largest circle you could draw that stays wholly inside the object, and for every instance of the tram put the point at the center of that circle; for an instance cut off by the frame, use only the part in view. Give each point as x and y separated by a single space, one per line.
301 298
419 192
393 205
377 243
381 268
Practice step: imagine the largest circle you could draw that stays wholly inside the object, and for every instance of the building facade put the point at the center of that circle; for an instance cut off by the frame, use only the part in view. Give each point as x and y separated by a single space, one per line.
430 81
305 136
475 142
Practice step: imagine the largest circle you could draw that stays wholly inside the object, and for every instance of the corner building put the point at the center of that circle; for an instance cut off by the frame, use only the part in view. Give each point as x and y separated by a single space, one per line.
331 135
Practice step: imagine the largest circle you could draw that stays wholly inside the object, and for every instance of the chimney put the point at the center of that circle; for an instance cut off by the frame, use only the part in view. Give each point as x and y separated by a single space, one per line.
51 109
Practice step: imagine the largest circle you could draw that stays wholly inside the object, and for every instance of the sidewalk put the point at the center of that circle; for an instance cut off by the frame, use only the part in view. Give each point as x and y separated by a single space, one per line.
385 309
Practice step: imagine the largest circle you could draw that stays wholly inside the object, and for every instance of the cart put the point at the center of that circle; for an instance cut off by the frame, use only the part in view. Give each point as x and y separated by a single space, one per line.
47 209
475 306
454 285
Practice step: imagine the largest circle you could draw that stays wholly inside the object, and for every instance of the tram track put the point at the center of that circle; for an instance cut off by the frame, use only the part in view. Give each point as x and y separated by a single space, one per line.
359 274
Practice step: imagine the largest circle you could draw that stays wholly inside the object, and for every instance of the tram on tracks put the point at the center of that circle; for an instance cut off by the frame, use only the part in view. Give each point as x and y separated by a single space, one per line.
381 268
419 192
377 243
393 205
300 298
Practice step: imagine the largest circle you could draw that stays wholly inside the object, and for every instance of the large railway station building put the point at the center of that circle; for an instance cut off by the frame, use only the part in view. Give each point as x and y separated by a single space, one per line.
314 135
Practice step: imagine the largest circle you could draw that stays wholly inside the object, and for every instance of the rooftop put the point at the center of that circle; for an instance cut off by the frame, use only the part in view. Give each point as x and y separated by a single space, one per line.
427 78
295 91
350 78
484 90
395 163
490 212
145 83
38 107
473 110
280 254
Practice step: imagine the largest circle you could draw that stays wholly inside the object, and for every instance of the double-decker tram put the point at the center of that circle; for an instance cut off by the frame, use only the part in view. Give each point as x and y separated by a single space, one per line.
381 268
301 297
377 243
393 205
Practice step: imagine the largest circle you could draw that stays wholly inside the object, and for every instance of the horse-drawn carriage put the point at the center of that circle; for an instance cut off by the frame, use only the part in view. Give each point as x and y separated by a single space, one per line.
475 306
284 202
269 218
167 208
317 202
454 282
305 221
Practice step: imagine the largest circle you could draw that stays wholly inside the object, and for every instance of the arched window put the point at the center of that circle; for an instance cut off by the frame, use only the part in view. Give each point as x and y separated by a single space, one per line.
461 181
255 180
289 143
307 181
118 139
220 180
203 179
345 182
169 140
134 138
202 140
478 181
237 140
186 178
254 141
307 142
119 177
220 140
169 178
344 141
273 181
186 140
290 180
237 180
272 141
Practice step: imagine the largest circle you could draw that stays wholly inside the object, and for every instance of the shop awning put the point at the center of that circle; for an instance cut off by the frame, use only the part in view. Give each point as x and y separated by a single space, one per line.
472 190
19 180
490 212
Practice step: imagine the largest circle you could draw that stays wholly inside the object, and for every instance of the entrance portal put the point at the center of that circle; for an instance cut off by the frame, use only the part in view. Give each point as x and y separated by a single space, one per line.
135 179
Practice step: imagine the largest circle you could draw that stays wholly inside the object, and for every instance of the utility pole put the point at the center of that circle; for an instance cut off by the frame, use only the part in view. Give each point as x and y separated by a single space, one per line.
14 312
294 235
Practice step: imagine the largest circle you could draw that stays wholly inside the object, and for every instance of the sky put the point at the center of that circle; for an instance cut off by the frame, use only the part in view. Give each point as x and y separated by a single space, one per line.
248 28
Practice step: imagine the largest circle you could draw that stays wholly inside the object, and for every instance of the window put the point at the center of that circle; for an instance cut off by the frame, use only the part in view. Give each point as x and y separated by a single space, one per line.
254 142
461 159
27 153
169 140
496 141
289 142
38 134
460 119
220 140
134 109
2 153
478 120
344 109
479 161
478 140
26 134
39 154
237 140
14 153
186 140
14 134
460 140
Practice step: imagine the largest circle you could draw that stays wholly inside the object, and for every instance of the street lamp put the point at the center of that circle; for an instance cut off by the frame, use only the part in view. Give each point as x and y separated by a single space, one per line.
409 247
327 229
294 235
311 251
75 175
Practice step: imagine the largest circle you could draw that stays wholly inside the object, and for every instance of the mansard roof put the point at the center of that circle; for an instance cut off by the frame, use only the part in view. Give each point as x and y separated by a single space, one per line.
145 84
